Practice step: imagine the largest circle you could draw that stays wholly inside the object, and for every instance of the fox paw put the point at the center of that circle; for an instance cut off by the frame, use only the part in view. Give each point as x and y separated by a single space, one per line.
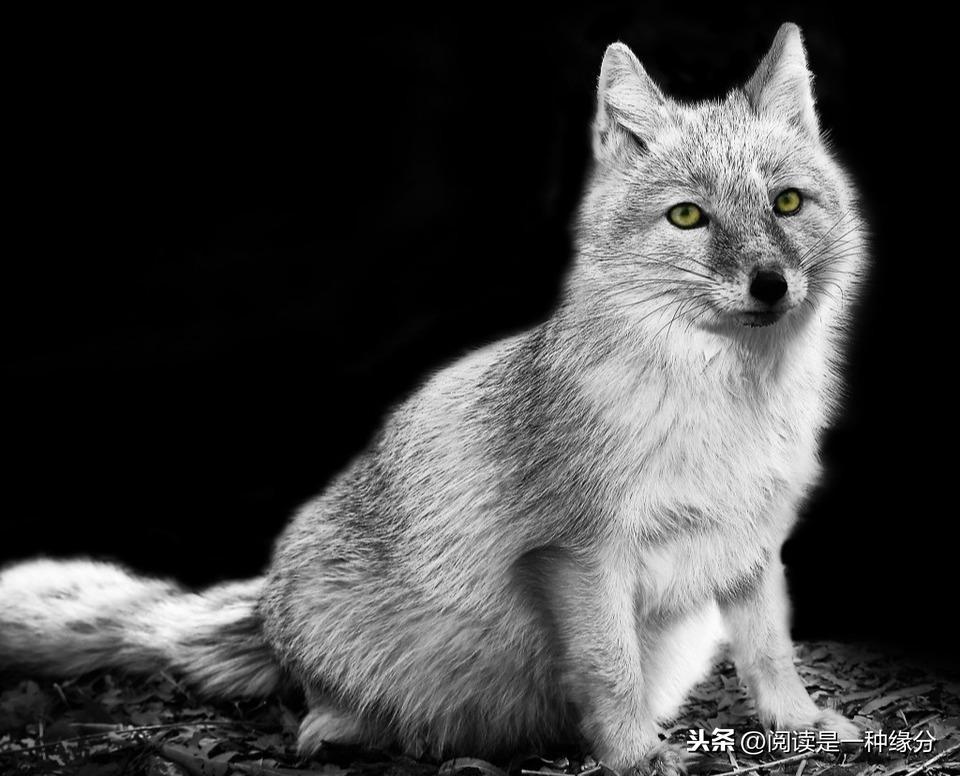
823 720
663 760
325 723
834 721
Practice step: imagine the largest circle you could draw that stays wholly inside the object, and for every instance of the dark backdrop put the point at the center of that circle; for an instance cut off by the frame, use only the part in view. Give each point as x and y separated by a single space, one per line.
236 240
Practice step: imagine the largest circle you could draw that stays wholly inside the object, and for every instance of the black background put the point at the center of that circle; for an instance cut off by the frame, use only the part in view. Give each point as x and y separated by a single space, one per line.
235 241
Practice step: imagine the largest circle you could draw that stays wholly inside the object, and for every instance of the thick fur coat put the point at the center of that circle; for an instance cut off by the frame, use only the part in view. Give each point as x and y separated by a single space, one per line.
548 537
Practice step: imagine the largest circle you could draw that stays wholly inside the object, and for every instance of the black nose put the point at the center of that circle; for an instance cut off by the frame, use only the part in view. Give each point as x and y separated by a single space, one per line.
768 286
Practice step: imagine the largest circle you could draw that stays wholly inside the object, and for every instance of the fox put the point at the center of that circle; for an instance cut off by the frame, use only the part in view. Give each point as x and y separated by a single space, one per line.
552 536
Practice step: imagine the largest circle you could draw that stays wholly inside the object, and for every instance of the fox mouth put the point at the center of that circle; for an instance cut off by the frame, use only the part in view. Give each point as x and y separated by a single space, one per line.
757 320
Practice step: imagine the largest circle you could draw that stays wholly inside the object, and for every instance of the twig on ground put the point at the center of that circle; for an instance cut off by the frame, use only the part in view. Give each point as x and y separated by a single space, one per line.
791 759
201 766
123 730
452 766
923 766
62 695
924 721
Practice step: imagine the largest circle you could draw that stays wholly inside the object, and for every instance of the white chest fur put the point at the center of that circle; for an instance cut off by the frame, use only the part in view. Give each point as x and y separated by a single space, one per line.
710 471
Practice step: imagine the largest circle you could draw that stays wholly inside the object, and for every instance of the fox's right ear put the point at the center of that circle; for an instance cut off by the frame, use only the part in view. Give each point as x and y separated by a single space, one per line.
630 106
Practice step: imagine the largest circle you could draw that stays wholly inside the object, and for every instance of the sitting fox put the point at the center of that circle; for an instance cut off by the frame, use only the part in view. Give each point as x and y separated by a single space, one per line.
545 540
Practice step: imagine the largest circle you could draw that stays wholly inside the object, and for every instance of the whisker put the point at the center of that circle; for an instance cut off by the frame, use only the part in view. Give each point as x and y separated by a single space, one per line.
823 236
652 260
684 269
822 250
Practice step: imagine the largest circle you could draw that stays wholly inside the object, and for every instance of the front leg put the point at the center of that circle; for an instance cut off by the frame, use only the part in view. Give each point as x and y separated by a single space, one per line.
758 620
601 665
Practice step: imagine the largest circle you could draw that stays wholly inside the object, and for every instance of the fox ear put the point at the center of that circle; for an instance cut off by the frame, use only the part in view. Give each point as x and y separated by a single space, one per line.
780 87
630 106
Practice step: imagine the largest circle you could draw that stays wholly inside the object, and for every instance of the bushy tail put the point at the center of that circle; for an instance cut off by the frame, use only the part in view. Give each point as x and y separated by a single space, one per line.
68 617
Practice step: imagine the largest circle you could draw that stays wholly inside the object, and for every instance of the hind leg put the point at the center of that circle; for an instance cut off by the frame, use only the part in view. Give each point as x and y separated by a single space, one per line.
328 722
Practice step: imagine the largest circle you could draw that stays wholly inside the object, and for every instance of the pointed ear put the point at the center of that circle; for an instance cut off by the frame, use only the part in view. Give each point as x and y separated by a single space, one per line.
780 88
628 103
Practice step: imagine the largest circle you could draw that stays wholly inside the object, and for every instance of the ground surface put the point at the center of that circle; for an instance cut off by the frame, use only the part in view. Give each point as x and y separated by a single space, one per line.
106 726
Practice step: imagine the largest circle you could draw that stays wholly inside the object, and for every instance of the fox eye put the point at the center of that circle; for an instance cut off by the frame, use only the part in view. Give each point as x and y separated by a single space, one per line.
788 202
686 215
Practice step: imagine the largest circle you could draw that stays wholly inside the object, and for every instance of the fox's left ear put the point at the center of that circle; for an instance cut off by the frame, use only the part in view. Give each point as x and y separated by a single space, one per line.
780 88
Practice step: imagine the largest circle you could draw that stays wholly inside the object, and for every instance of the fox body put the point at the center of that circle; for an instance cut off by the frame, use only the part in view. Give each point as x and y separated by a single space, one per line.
547 539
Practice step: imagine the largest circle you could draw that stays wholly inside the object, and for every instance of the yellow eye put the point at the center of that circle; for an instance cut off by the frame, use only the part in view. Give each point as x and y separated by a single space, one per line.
788 202
686 215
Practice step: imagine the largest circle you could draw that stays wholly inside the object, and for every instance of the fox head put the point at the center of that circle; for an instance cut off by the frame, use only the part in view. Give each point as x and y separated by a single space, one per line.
727 221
